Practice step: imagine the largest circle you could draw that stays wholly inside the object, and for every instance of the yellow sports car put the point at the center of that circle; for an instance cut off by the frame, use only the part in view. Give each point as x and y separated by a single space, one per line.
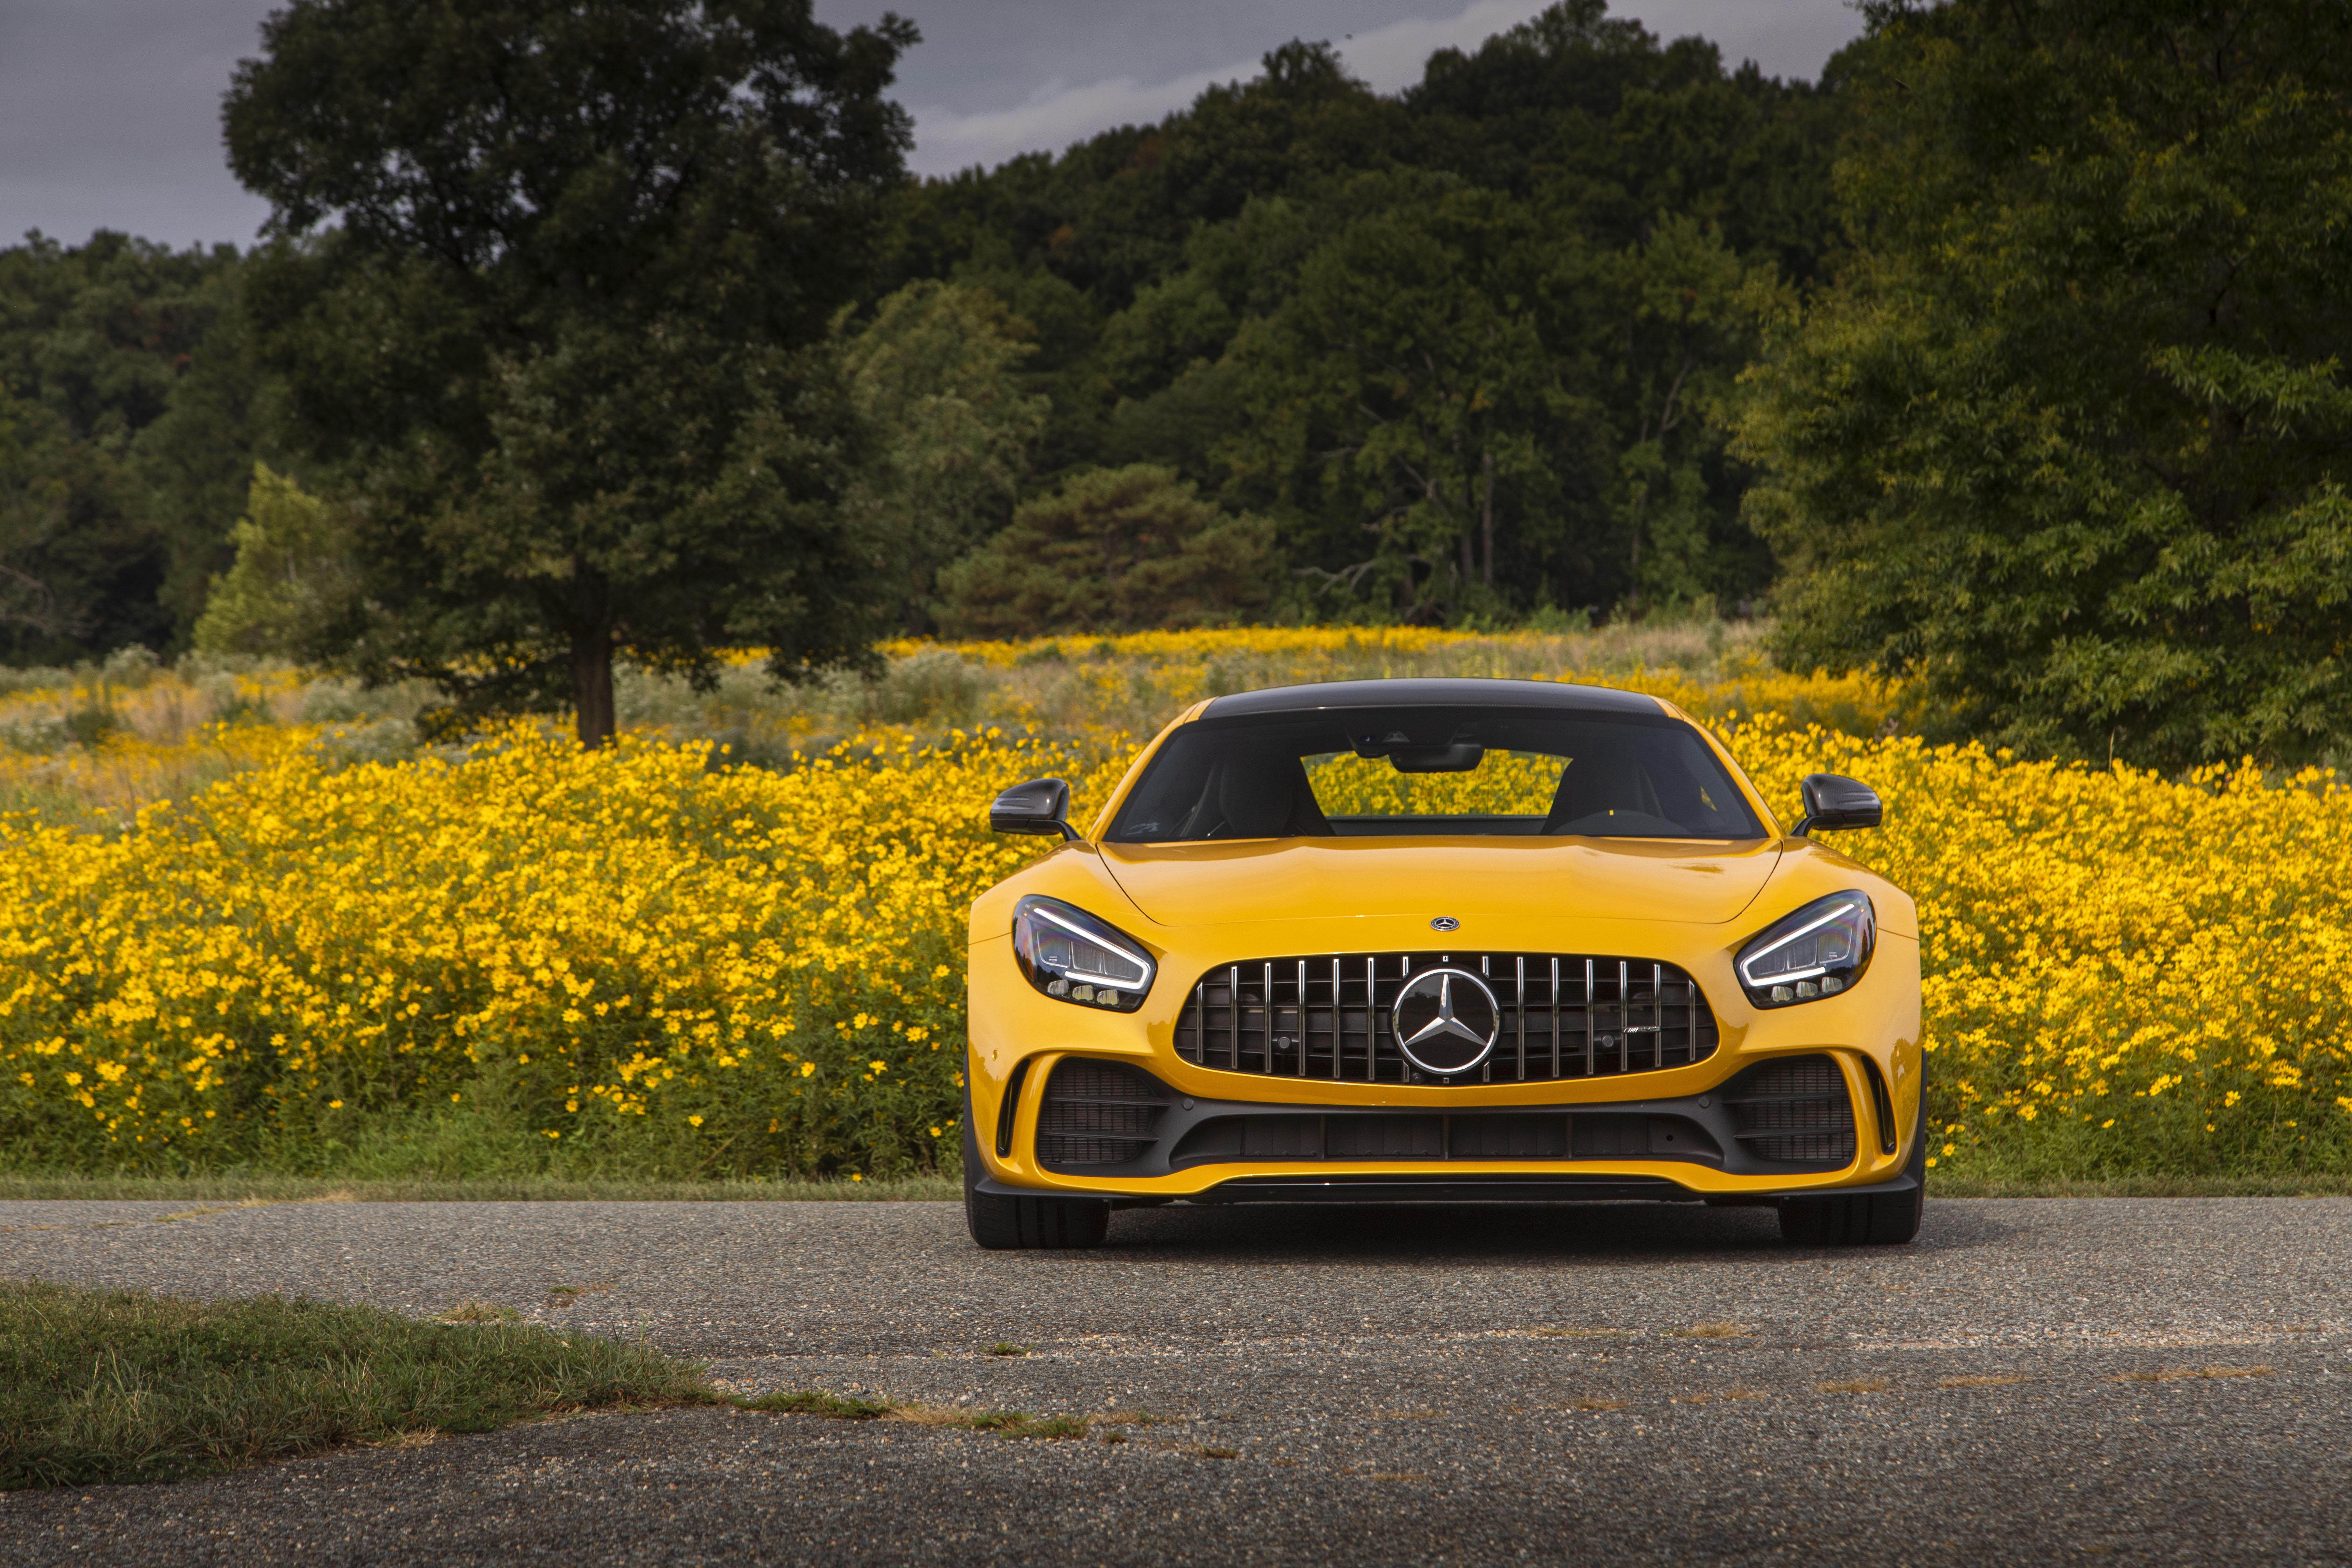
1403 941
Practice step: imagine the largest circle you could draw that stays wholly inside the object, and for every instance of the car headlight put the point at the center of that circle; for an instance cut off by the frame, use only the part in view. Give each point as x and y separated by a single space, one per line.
1818 952
1073 957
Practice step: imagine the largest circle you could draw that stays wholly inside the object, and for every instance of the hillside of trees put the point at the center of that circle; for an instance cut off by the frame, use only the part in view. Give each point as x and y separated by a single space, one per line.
2006 359
1464 347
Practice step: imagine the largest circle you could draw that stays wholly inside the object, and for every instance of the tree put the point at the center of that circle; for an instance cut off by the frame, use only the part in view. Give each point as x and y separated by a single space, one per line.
1677 314
1113 550
290 590
125 382
550 283
1170 257
2067 446
933 378
1406 383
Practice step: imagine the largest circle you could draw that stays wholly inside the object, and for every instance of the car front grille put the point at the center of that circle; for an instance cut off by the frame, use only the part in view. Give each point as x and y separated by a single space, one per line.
1563 1016
1793 1111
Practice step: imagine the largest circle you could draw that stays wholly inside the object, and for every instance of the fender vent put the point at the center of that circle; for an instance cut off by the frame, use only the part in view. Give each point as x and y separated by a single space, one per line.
1793 1112
1098 1114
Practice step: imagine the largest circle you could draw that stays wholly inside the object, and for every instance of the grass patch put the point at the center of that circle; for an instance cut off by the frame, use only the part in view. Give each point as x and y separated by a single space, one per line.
102 1386
481 1312
812 1402
1019 1424
38 1186
1006 1350
2307 1184
1003 1423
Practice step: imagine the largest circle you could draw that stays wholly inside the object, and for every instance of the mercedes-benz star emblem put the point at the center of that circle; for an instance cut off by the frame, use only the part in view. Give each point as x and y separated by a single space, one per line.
1447 1021
1444 922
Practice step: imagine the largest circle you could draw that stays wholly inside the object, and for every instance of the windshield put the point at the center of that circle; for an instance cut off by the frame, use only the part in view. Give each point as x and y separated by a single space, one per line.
1478 771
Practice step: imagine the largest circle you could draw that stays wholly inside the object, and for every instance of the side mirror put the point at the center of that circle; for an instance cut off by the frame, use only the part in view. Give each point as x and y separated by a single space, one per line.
1831 802
1040 805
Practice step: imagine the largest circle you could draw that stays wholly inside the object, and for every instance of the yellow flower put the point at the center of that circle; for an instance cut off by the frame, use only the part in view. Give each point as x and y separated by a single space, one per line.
2124 948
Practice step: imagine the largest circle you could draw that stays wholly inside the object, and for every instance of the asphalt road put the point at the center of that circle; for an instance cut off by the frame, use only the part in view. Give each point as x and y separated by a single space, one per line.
2032 1382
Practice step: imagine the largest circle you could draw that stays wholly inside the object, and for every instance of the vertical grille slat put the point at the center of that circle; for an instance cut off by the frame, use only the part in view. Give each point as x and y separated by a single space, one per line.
1591 1020
1273 1016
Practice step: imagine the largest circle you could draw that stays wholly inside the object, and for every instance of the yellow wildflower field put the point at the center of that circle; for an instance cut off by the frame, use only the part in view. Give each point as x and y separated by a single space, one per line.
652 959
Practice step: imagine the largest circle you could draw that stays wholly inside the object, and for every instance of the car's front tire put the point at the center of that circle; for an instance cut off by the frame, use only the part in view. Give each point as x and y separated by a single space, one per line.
1878 1219
1002 1223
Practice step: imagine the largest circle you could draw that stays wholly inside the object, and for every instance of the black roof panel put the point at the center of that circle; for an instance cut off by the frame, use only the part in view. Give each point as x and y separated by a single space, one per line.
1556 696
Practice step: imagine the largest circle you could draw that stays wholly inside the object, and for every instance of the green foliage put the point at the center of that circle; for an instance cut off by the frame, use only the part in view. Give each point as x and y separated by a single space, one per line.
1113 550
566 341
933 380
813 1401
1469 346
2066 444
110 1386
290 588
128 411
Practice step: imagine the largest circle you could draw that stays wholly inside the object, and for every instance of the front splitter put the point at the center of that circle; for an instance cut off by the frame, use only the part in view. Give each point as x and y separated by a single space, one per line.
1507 1189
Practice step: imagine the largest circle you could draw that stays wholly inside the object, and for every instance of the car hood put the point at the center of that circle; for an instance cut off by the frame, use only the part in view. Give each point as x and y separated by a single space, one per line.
1305 878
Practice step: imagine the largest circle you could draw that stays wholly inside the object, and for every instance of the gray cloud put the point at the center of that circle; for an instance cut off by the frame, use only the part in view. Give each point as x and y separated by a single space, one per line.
110 108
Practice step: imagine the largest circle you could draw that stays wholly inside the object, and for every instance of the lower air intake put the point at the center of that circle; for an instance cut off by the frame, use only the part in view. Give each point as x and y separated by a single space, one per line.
1793 1112
1098 1114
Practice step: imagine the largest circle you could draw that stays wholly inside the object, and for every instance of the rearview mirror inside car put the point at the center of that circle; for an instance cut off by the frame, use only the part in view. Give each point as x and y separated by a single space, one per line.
1458 758
1041 806
1833 801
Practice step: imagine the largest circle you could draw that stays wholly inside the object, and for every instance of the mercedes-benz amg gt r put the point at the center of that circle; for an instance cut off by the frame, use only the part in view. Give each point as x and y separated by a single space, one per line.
1399 941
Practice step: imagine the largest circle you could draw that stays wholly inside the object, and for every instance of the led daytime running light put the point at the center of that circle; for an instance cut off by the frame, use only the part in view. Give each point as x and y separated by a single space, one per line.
1073 957
1821 950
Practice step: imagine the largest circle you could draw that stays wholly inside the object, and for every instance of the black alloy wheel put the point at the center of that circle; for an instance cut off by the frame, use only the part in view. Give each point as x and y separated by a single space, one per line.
1003 1224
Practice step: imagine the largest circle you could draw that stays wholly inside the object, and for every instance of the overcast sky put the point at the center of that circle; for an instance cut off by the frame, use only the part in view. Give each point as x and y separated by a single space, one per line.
110 108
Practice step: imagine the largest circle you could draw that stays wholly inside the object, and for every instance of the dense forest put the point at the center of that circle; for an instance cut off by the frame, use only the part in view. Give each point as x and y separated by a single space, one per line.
1459 350
2007 358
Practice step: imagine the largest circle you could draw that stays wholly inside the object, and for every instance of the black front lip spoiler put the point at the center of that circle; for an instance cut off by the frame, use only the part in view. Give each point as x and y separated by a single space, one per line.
1507 1189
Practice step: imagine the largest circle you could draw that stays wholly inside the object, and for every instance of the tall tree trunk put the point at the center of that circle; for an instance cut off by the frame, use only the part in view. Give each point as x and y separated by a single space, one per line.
1486 517
592 655
592 685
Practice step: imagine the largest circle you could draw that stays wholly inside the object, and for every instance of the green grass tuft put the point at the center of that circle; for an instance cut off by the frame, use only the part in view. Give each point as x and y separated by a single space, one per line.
481 1312
1019 1424
2030 1185
102 1386
811 1402
19 1185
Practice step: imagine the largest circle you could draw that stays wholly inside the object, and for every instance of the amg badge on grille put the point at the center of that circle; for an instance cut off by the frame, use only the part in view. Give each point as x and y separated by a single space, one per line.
1444 922
1445 1021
